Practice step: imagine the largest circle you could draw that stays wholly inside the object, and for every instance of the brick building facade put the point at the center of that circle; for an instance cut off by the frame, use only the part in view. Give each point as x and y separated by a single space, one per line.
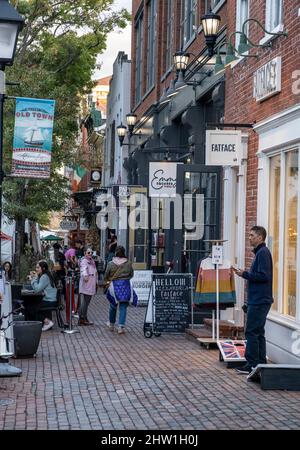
261 91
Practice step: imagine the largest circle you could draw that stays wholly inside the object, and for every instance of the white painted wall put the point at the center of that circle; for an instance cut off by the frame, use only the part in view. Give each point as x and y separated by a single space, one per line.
118 105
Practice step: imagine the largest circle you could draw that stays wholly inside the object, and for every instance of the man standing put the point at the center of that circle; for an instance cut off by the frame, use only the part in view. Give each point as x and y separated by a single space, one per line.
260 299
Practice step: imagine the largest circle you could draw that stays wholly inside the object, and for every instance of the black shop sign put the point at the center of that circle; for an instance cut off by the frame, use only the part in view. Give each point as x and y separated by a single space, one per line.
171 298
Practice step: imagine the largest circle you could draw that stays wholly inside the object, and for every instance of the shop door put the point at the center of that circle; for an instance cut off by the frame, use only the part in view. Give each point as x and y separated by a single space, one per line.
206 181
138 228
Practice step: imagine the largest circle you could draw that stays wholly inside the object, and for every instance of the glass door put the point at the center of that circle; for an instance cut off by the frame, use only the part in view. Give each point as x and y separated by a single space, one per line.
200 189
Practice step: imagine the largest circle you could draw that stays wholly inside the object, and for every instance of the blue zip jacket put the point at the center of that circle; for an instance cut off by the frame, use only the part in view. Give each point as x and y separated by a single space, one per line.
260 277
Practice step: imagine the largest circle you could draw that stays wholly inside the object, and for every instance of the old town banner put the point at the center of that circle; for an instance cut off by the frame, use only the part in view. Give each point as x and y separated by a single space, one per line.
33 138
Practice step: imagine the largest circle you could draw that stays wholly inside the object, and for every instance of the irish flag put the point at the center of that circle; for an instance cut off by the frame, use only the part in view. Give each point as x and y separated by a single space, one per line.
78 174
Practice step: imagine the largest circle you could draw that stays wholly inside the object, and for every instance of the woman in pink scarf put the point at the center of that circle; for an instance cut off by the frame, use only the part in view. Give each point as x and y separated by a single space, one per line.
87 285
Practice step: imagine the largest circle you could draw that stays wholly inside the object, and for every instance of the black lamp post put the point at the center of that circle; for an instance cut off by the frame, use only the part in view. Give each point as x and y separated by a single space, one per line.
11 23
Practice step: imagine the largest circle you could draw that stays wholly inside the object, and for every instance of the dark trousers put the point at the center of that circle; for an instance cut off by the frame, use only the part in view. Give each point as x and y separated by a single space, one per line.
84 304
255 334
32 311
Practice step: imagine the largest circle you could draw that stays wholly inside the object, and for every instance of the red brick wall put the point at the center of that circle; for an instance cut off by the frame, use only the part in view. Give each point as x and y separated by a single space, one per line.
162 79
241 107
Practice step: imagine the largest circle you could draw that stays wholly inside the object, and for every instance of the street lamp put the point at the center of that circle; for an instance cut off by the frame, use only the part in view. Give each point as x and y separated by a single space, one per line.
121 130
210 23
131 121
11 24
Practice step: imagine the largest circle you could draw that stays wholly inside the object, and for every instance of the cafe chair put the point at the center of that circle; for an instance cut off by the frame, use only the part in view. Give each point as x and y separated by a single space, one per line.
57 307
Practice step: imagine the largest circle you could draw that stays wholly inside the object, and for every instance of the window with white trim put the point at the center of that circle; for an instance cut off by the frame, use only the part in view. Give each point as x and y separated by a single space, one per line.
188 21
283 230
242 14
273 14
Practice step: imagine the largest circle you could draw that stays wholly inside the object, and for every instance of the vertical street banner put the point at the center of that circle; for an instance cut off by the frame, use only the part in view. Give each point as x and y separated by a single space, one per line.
33 138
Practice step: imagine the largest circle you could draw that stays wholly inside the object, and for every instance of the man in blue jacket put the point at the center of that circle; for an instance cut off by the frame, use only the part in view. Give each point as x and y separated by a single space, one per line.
260 299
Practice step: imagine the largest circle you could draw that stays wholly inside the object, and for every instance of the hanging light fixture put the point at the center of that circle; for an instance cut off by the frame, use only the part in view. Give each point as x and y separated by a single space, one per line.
181 60
219 66
210 23
131 121
121 130
11 23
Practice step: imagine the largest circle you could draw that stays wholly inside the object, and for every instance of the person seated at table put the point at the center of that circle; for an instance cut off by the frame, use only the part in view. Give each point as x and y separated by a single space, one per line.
42 281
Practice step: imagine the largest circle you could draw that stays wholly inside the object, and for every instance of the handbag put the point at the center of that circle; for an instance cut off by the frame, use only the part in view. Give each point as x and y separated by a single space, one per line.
107 283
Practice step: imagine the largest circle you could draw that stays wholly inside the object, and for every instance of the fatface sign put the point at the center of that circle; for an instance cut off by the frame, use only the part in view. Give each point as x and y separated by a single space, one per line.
223 148
162 179
267 80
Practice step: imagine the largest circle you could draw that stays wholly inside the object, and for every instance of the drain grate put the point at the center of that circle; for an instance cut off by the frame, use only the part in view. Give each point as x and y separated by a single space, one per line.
6 401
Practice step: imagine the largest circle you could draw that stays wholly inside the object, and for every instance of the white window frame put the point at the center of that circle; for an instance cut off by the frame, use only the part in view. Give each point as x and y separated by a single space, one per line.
189 10
239 22
263 219
268 19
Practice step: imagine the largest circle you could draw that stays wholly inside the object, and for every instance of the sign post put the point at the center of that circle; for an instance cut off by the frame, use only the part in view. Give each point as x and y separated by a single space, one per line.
217 259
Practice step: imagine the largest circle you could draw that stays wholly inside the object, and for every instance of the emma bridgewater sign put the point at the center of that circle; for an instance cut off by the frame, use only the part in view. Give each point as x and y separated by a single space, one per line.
223 148
162 179
33 138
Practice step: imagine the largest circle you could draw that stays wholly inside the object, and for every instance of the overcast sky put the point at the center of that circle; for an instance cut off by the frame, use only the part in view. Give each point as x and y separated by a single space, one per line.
116 42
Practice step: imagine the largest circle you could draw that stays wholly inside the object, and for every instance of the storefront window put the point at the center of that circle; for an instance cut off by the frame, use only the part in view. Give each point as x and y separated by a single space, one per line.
290 234
274 222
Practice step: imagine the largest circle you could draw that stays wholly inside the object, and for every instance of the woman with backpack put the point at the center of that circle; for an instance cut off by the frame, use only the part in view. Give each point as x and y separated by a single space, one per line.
119 291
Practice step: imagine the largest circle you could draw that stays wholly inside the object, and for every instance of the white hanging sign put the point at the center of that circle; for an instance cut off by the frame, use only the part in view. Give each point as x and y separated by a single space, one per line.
162 179
223 148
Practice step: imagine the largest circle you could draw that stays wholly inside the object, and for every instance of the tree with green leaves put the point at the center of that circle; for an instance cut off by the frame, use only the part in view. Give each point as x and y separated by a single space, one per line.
55 59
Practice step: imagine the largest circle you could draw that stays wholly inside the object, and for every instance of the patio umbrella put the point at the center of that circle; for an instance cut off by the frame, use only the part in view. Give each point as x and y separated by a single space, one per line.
51 237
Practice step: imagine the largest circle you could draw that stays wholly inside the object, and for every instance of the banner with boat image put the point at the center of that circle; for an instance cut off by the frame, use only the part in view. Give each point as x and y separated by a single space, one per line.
33 138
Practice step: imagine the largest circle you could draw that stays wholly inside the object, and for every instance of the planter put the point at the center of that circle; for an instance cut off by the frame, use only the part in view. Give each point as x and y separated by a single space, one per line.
27 336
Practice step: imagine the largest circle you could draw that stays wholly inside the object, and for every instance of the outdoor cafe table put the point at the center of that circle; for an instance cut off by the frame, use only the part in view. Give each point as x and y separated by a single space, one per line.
31 301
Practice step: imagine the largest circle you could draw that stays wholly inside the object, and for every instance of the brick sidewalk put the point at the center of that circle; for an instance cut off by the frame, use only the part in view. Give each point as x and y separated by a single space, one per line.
96 379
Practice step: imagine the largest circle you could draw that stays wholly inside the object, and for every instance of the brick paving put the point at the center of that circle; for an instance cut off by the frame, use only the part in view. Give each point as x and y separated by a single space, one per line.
98 380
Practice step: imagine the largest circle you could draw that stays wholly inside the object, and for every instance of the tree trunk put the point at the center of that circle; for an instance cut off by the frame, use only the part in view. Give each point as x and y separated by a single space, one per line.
20 239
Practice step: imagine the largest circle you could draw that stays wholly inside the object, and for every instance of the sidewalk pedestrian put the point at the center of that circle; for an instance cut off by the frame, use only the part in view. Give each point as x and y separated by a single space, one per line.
119 290
260 299
87 285
7 271
42 281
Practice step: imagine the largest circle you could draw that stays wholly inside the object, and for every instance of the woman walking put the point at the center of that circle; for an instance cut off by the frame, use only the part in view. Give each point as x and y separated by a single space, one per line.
87 285
120 292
